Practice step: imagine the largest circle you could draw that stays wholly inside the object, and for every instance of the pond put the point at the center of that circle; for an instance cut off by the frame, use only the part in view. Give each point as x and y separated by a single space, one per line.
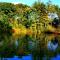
30 47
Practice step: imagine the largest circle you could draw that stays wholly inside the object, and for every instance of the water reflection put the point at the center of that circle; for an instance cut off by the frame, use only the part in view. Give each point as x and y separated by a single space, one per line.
53 44
38 45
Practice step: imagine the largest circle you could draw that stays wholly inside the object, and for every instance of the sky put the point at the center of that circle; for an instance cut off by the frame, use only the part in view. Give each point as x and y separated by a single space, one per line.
30 2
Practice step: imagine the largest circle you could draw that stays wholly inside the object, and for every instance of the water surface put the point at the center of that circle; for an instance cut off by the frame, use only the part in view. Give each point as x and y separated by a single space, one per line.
36 46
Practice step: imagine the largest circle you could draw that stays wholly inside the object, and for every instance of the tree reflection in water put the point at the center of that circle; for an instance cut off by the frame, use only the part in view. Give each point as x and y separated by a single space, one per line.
39 45
53 44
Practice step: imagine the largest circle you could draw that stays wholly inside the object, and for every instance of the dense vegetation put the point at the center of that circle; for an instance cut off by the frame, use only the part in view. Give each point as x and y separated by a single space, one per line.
39 17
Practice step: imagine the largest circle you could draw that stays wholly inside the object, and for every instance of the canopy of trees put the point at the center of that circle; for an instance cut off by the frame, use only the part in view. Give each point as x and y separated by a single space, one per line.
20 15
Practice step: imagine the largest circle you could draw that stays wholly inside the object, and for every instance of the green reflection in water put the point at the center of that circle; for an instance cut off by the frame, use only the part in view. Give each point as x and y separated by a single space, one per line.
22 45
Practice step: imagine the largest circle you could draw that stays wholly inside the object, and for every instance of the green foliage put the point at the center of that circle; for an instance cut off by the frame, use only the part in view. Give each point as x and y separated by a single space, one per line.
20 14
7 8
